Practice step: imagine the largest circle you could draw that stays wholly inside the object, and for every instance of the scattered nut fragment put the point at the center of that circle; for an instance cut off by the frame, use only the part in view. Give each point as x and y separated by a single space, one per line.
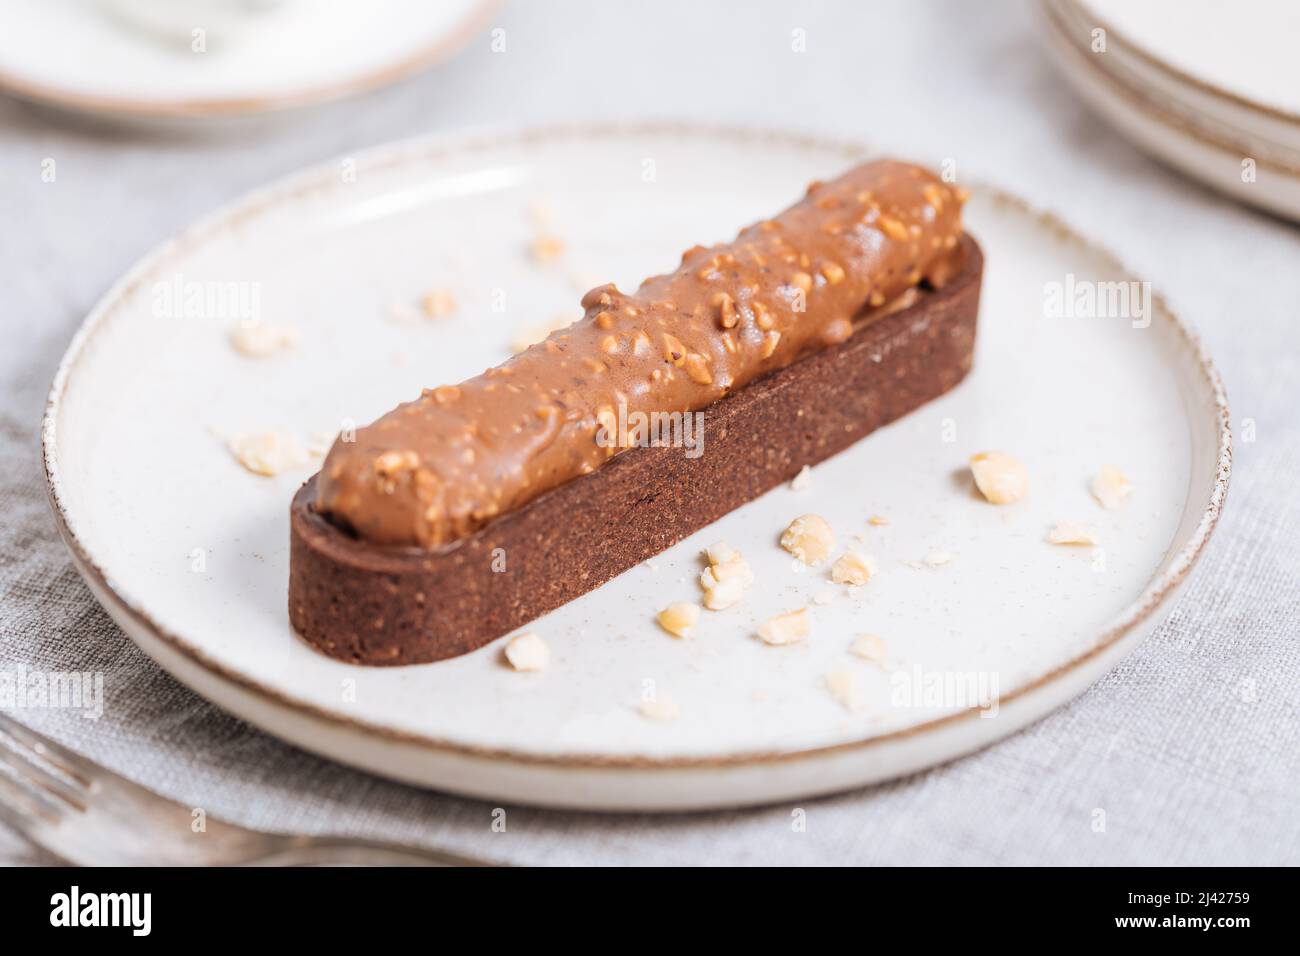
267 453
1067 532
809 538
824 597
725 579
1111 487
438 303
547 248
257 340
937 559
1000 478
869 647
853 568
720 553
788 628
528 652
843 685
724 594
532 334
802 480
659 707
678 619
877 521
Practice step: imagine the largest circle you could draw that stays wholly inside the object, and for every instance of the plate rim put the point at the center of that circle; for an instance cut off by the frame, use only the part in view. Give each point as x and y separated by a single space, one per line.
124 107
323 175
1176 73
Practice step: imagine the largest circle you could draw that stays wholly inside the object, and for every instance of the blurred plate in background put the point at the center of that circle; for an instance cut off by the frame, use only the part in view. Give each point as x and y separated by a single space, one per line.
1208 88
178 59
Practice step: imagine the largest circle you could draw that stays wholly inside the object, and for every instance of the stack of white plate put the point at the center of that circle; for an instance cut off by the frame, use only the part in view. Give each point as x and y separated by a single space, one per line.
1208 86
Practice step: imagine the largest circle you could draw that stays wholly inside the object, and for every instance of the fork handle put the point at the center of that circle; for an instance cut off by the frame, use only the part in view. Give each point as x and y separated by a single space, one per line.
344 851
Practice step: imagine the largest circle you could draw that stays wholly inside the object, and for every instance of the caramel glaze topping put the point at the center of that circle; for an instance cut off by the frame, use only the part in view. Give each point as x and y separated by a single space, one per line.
439 468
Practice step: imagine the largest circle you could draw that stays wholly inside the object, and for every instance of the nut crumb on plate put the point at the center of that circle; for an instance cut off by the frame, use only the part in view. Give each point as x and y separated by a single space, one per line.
1067 532
869 647
725 579
659 707
809 538
267 453
547 248
877 521
788 628
528 652
1001 479
678 619
438 303
258 340
1111 487
843 685
823 597
853 568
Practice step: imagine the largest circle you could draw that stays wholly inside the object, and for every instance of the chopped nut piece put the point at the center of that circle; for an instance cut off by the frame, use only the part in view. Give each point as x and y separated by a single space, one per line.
770 339
267 453
877 521
802 280
678 619
736 567
1000 478
674 351
833 273
1111 487
258 341
547 248
659 707
933 196
802 480
438 303
892 228
809 538
698 369
721 553
727 314
789 628
869 647
843 685
823 597
762 317
395 462
854 569
1067 532
724 594
528 652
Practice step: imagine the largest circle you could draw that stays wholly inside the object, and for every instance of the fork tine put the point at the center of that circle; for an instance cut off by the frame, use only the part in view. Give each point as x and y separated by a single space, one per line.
61 758
33 774
20 806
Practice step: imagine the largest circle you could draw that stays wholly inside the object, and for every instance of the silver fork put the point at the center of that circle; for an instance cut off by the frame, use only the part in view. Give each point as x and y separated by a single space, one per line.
88 815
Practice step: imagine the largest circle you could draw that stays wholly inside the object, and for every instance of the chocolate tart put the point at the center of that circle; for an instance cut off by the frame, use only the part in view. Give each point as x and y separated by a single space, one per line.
390 605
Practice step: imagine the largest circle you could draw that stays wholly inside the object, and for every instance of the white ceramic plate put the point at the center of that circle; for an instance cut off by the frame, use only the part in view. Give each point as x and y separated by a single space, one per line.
1204 130
142 483
137 58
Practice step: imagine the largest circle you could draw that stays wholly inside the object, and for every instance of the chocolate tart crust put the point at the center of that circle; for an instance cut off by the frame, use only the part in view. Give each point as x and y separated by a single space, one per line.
376 605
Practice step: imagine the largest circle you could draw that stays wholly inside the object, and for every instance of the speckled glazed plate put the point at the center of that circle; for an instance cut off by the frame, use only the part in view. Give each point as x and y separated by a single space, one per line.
985 625
183 60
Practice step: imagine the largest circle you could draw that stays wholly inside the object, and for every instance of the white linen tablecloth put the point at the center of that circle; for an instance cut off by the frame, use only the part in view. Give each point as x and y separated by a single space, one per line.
1187 768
